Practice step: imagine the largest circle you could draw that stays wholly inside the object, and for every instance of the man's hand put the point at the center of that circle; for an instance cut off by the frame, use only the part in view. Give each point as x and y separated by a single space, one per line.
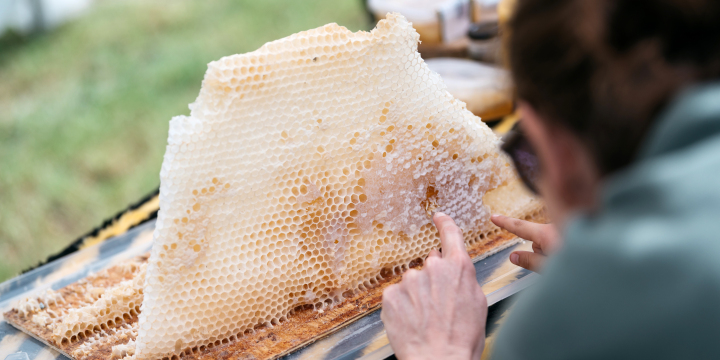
544 237
438 312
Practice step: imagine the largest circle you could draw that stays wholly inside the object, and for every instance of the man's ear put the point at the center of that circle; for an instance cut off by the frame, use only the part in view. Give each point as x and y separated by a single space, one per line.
572 159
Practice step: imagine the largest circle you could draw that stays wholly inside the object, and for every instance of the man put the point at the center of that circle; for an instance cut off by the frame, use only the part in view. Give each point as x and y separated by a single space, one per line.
620 100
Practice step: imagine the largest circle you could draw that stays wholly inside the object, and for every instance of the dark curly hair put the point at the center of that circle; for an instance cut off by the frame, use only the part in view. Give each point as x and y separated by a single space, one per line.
604 69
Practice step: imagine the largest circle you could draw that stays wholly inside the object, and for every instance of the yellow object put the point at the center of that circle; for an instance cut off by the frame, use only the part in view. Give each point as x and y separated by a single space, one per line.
507 123
505 10
125 222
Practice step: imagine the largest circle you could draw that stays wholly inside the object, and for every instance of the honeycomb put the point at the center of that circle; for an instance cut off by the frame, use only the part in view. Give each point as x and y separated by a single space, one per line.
107 306
88 317
304 170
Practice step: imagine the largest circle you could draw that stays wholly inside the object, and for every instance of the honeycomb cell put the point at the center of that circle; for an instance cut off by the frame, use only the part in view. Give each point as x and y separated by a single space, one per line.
304 169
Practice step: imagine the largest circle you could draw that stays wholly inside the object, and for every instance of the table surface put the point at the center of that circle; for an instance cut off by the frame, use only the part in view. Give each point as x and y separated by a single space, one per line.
364 339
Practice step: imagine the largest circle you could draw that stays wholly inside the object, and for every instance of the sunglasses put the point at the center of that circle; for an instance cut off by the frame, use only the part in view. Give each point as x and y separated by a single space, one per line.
523 156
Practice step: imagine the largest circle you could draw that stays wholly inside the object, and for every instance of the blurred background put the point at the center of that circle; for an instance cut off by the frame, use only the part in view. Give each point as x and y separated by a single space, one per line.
87 89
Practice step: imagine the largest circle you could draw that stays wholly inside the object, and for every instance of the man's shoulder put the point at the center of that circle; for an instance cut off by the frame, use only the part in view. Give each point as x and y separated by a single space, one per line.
614 291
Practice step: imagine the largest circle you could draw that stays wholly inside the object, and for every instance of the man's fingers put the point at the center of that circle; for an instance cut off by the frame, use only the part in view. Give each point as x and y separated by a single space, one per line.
528 260
451 236
537 249
527 230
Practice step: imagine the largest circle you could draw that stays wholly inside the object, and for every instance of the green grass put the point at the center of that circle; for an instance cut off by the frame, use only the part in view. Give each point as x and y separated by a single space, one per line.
84 109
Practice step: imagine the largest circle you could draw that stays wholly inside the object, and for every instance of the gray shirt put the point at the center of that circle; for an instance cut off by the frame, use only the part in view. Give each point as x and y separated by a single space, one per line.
639 279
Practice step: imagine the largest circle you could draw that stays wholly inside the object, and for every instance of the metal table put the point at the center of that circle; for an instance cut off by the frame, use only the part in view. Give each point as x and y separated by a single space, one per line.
364 339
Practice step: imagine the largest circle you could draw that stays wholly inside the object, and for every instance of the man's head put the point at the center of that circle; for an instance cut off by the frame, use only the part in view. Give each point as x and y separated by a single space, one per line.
592 75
